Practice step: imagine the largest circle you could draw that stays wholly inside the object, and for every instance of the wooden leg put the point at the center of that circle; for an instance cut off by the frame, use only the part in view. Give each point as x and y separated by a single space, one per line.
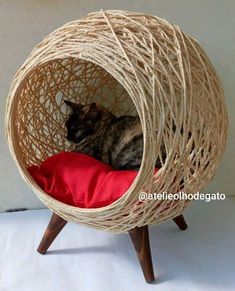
54 227
180 221
140 240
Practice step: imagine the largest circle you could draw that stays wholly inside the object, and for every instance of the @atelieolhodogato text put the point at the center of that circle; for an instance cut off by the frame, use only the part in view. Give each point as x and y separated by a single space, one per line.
207 197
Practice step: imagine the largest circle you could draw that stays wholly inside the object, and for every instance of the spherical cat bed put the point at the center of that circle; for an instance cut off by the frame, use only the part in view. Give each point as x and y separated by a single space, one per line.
131 63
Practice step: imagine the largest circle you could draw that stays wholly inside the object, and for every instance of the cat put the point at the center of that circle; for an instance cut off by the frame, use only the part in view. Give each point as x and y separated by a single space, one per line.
117 141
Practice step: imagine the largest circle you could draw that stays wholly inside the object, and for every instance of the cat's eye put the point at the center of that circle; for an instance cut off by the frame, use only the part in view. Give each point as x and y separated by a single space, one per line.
89 122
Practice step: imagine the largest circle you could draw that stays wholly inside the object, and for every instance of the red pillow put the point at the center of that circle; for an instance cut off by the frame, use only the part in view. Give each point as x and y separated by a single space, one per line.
80 180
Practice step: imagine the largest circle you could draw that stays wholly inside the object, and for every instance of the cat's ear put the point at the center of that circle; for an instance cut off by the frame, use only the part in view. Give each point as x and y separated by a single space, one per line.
72 105
93 112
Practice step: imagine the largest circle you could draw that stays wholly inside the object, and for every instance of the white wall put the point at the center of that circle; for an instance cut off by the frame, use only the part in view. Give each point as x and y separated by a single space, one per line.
24 23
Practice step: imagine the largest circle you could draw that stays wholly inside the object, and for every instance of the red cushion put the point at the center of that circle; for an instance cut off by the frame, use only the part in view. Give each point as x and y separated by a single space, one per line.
80 180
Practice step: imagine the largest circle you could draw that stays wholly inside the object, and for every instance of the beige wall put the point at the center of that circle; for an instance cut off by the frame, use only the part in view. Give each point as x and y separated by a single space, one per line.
24 23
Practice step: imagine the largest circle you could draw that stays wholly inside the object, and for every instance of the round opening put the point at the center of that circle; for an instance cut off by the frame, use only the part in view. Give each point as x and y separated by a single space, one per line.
41 113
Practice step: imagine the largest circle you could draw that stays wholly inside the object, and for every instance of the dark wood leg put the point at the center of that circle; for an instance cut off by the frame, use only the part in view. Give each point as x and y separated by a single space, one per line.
140 240
180 221
54 227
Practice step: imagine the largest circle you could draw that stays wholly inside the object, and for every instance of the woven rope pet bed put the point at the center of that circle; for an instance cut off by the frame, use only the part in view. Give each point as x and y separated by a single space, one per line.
131 63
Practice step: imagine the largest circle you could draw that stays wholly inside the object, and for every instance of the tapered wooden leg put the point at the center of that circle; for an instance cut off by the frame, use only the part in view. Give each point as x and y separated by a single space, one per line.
140 240
54 227
180 221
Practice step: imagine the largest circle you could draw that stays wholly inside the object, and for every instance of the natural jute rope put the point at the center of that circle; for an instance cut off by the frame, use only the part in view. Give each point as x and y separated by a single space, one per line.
131 63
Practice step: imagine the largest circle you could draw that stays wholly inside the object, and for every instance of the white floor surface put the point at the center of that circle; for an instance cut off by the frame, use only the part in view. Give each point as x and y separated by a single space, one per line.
81 258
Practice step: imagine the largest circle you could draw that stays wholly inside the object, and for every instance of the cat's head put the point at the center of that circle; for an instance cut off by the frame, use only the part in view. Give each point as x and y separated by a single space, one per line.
81 121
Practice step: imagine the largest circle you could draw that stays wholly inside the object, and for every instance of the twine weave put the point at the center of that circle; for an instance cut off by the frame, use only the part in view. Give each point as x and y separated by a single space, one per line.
130 63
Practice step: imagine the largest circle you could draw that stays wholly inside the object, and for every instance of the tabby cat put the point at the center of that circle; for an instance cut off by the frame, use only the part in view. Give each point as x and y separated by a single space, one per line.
117 141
